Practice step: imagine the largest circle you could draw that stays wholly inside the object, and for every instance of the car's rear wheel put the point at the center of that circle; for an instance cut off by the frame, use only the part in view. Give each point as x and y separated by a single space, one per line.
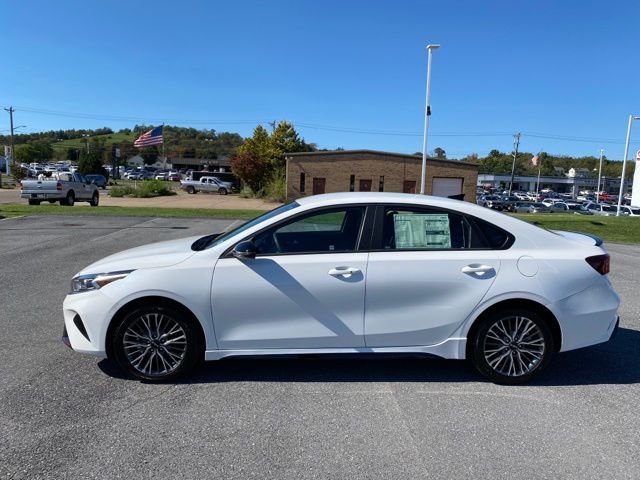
511 346
190 189
95 199
69 201
157 343
222 191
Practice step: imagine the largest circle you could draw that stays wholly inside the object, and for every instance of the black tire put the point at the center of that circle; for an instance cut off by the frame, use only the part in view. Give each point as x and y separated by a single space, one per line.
34 202
522 357
190 355
191 189
95 199
222 191
69 201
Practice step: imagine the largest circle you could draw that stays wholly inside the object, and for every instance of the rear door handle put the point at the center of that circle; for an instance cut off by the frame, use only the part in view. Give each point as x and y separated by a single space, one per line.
345 272
478 270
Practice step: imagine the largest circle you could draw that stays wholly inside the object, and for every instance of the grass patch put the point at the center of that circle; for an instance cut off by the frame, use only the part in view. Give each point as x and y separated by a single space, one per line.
612 229
16 210
147 189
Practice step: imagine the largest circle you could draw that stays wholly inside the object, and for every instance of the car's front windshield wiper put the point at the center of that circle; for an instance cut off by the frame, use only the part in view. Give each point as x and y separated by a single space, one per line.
204 242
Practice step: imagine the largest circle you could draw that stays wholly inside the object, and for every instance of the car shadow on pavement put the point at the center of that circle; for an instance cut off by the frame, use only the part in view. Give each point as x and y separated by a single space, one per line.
616 362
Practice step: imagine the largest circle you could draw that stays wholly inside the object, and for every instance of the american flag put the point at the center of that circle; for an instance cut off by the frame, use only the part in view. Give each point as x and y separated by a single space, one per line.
152 137
535 159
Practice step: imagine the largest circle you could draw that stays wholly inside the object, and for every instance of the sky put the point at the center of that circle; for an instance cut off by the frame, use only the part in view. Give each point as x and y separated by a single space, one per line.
348 74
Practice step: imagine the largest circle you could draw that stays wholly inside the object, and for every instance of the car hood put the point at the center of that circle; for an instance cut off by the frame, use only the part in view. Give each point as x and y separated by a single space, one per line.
162 254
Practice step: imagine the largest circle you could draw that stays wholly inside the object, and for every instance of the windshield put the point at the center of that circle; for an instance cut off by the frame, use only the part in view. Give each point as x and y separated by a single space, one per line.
607 208
215 240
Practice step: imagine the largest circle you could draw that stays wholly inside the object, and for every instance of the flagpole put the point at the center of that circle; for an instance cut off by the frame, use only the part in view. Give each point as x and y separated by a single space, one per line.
164 159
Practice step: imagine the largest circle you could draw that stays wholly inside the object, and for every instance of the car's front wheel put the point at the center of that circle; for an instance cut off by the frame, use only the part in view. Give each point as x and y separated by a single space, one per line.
511 346
95 199
157 343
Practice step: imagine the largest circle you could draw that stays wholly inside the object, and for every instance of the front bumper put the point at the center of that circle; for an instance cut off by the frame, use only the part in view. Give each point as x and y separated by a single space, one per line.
86 322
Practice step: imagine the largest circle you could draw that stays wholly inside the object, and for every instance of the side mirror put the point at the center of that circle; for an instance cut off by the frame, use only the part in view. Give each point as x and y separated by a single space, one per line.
244 250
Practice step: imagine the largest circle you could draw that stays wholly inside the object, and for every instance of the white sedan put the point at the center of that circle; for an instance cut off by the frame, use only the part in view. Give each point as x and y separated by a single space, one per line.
350 273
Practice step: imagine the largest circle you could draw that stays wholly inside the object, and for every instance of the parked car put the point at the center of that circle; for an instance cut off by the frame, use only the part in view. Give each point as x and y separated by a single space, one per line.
97 180
66 188
532 208
207 184
566 207
508 202
604 210
175 176
162 175
631 211
326 273
490 201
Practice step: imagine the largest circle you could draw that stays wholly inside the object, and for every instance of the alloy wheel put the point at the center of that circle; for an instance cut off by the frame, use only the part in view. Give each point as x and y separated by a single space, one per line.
155 344
514 346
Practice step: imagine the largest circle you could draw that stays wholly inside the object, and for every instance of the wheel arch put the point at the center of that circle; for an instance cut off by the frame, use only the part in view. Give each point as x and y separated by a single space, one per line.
150 300
524 303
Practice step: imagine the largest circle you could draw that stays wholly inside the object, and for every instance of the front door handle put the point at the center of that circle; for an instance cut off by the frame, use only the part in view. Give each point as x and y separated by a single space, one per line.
345 272
478 270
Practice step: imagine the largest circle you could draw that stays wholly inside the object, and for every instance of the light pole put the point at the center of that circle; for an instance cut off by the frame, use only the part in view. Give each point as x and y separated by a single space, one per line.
599 177
516 144
86 136
427 114
624 161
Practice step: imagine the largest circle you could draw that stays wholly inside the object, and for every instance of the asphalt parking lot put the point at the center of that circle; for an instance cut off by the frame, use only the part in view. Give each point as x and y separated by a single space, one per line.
65 415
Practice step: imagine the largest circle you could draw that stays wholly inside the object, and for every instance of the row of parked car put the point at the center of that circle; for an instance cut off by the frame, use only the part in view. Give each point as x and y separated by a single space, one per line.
557 204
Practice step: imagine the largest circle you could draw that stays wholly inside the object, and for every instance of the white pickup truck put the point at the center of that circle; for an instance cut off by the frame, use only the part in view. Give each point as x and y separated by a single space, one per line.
66 188
207 184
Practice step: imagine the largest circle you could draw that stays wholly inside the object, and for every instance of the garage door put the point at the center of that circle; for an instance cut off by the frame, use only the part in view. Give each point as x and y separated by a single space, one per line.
446 187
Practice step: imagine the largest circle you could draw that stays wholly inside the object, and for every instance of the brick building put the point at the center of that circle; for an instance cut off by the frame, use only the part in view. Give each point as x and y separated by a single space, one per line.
312 173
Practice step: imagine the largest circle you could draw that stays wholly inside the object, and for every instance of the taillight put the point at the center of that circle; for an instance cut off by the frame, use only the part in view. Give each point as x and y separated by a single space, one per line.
58 186
600 263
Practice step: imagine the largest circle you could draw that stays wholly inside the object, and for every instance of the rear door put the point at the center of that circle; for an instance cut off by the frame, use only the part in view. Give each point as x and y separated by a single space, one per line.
427 271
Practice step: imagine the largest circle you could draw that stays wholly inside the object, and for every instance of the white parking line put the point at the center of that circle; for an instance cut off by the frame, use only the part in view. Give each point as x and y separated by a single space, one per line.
102 237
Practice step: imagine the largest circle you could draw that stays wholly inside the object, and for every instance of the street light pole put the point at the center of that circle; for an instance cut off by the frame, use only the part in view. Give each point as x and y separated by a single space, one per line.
516 144
624 161
10 110
599 177
427 114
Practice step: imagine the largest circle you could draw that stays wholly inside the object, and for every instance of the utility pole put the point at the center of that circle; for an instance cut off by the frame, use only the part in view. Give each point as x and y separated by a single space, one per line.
599 177
427 115
10 110
516 144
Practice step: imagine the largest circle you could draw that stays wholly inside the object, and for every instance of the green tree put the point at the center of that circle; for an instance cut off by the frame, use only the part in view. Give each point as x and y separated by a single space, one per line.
90 163
37 151
149 154
440 153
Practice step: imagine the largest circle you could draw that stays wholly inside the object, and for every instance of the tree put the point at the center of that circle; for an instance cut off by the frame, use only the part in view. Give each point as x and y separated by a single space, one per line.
440 153
252 169
91 163
37 151
149 154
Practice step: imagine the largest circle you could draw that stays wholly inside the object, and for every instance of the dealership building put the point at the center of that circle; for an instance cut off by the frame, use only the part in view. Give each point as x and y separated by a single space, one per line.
313 173
559 184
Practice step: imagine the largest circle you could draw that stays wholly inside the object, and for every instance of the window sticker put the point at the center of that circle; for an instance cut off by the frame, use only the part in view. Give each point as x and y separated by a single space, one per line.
426 230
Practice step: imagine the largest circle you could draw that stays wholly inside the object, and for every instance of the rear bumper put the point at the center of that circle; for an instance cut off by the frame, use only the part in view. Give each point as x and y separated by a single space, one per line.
588 317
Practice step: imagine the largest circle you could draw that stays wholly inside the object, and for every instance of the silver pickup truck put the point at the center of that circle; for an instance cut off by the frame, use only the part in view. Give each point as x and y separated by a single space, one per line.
66 188
207 184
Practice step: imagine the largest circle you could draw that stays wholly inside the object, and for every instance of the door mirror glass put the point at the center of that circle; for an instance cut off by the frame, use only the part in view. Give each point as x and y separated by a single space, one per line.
244 250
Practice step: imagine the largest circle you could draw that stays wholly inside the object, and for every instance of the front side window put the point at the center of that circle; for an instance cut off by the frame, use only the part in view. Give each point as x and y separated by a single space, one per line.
326 231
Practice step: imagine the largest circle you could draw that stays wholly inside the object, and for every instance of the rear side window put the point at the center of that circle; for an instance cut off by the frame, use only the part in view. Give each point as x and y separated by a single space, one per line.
423 228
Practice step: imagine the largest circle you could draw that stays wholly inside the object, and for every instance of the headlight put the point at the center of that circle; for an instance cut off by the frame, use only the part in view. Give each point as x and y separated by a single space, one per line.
95 281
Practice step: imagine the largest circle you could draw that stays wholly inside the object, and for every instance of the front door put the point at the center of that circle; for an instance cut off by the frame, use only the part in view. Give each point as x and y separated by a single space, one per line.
318 185
409 186
365 185
305 289
425 278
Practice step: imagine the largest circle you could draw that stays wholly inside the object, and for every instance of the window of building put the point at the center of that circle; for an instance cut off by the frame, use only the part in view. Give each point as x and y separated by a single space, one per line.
352 183
381 184
302 179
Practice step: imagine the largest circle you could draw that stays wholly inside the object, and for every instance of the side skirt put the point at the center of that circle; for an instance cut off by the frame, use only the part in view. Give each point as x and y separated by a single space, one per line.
452 348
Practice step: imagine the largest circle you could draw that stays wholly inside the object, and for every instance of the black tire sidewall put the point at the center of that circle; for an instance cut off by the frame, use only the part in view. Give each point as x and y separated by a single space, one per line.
476 354
223 191
70 200
95 200
195 347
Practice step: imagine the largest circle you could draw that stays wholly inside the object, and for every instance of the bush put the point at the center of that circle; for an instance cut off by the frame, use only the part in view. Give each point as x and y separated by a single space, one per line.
17 172
145 189
276 188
